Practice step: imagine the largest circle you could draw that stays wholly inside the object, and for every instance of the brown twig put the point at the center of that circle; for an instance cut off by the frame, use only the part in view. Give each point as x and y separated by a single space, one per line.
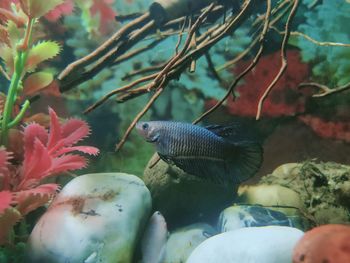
283 58
283 13
103 49
248 69
116 91
180 36
319 43
138 117
69 82
239 56
158 77
143 71
256 39
182 63
187 43
325 90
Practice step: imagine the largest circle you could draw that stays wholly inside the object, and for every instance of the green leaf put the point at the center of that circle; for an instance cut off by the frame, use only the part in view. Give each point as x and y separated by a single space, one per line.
6 55
15 34
38 8
41 52
36 82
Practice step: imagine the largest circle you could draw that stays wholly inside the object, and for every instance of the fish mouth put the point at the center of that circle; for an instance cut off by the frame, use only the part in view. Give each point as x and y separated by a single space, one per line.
153 139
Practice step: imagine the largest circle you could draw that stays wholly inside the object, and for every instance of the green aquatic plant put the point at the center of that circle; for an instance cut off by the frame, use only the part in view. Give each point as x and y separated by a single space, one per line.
328 21
21 53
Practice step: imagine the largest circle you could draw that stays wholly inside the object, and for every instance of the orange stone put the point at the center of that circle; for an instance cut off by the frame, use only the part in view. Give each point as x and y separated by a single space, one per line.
324 244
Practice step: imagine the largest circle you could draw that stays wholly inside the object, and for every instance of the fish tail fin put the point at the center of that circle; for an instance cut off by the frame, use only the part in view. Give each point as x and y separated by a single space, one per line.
245 161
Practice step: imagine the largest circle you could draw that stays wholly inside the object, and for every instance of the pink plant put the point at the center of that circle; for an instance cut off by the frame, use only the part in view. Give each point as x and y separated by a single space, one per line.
66 8
46 153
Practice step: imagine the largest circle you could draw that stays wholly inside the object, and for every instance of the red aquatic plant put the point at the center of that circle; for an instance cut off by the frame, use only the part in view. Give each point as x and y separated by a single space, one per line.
339 130
105 11
46 153
63 9
101 8
284 99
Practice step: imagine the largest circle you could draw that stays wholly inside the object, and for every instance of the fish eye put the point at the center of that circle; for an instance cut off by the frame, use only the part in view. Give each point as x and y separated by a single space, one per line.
145 126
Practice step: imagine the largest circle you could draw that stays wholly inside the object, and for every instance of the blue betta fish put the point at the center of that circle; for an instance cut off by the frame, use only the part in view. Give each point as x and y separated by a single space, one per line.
221 154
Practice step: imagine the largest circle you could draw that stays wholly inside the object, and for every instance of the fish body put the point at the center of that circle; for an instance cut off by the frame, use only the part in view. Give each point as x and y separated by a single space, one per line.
219 153
154 239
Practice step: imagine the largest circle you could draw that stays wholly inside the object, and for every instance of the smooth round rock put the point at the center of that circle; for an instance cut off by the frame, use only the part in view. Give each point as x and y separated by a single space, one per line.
327 243
239 216
95 218
271 244
184 199
269 195
184 240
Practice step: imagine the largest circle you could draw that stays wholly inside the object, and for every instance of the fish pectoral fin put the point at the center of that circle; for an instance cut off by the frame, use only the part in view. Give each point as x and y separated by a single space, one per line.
205 167
166 159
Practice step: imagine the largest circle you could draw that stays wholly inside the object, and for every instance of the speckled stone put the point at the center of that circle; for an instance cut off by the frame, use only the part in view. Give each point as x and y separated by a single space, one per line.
95 218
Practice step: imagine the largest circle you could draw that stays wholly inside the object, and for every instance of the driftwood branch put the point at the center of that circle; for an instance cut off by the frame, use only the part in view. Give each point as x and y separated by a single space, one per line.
248 68
283 58
325 91
214 19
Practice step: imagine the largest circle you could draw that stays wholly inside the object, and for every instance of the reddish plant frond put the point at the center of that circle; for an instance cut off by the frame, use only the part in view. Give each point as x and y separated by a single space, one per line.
30 200
5 201
84 149
104 9
4 169
39 164
31 132
67 163
74 130
65 8
4 157
55 130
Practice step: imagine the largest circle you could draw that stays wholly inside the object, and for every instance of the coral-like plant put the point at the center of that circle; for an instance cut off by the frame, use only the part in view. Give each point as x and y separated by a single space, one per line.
339 130
21 53
284 99
46 153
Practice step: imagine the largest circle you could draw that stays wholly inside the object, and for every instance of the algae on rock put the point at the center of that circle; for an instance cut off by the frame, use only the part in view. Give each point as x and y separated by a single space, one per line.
322 186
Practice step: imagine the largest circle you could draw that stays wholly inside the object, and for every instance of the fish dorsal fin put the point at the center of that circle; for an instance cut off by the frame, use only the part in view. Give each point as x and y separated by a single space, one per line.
235 132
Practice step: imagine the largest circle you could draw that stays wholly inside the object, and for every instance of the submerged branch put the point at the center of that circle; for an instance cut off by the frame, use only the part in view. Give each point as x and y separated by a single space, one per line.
138 117
248 68
325 91
283 58
319 43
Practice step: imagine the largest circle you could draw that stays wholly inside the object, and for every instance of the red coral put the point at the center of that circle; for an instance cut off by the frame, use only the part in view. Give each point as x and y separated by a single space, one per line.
328 129
284 99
